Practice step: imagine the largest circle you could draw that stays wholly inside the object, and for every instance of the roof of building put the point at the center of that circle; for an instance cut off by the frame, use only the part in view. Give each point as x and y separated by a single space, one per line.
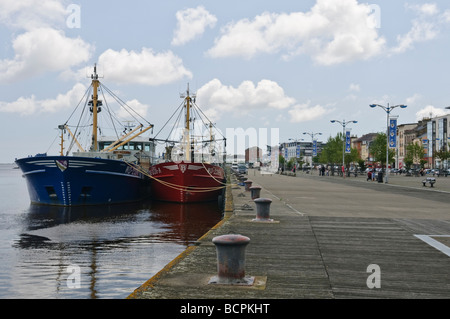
367 137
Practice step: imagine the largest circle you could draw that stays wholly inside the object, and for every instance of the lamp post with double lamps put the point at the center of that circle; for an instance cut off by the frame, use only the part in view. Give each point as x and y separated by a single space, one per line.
388 110
312 138
344 124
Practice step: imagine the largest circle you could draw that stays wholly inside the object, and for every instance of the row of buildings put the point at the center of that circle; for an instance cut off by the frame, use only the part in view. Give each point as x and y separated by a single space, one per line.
431 133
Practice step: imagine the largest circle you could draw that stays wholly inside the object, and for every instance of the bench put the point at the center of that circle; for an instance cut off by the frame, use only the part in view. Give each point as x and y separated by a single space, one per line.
430 180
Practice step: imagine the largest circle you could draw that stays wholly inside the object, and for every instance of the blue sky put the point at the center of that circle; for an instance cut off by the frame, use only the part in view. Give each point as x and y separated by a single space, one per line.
292 65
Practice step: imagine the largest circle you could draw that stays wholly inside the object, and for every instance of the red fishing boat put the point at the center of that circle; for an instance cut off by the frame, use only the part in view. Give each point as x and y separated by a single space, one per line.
189 173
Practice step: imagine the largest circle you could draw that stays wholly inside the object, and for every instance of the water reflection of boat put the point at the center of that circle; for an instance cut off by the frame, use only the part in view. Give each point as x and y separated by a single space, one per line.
181 223
46 216
98 237
185 222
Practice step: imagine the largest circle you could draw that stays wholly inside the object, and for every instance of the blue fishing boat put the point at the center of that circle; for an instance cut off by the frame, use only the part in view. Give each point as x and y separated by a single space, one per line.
111 171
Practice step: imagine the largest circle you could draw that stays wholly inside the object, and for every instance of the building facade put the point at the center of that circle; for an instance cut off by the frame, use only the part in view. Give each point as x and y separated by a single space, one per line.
253 154
437 139
362 144
406 134
301 150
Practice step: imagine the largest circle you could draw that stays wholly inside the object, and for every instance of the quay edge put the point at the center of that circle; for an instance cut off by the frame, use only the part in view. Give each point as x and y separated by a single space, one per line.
227 213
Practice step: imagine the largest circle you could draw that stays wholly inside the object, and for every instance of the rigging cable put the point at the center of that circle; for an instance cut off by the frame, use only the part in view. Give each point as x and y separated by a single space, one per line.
169 119
111 114
125 105
88 91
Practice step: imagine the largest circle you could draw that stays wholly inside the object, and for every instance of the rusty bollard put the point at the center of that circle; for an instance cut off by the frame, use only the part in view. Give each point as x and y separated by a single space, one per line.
231 260
248 184
263 209
255 191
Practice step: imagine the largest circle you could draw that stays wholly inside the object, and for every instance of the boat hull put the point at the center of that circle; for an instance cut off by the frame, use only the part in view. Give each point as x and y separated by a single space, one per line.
186 182
76 181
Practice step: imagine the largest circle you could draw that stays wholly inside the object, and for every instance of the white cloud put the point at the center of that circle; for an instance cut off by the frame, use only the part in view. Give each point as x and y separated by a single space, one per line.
305 112
430 111
428 9
27 15
421 31
137 107
413 99
216 98
446 16
43 50
354 87
192 23
425 27
30 105
331 32
145 67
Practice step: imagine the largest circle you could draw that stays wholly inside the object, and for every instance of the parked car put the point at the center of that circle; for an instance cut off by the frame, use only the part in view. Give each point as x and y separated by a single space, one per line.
242 169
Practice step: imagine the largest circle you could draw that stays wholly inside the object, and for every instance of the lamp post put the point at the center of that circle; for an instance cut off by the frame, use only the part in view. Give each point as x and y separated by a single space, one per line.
312 138
388 110
344 124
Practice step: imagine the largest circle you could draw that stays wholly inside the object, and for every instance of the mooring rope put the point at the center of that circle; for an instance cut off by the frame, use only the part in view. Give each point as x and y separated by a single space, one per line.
197 189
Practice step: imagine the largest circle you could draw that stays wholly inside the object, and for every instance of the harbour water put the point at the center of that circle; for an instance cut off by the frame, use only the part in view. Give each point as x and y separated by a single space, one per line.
89 252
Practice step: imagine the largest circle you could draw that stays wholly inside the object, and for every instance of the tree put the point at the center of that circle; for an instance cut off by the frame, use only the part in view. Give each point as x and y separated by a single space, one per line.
332 152
291 163
378 149
442 155
281 160
361 164
353 156
408 162
414 153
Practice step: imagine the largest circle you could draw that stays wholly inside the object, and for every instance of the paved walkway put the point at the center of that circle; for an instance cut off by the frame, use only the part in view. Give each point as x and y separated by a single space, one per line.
331 238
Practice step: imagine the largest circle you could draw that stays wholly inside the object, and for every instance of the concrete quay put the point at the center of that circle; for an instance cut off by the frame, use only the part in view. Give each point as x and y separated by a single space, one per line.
330 238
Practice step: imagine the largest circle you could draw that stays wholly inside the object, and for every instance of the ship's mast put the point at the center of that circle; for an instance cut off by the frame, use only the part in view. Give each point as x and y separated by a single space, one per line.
62 128
189 147
188 137
211 139
95 84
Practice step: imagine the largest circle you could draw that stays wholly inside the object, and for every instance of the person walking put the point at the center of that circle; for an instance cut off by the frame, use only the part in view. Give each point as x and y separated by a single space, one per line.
369 175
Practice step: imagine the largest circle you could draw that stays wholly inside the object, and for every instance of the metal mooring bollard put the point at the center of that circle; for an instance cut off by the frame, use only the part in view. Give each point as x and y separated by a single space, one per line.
231 260
248 184
255 191
263 209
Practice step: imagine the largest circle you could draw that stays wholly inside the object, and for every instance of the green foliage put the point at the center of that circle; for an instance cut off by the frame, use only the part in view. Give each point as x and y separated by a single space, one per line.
361 164
353 156
443 155
281 159
332 152
290 164
414 153
408 163
378 149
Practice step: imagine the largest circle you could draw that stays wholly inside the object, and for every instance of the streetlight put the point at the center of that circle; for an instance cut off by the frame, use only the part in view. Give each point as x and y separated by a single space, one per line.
312 137
343 123
388 110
